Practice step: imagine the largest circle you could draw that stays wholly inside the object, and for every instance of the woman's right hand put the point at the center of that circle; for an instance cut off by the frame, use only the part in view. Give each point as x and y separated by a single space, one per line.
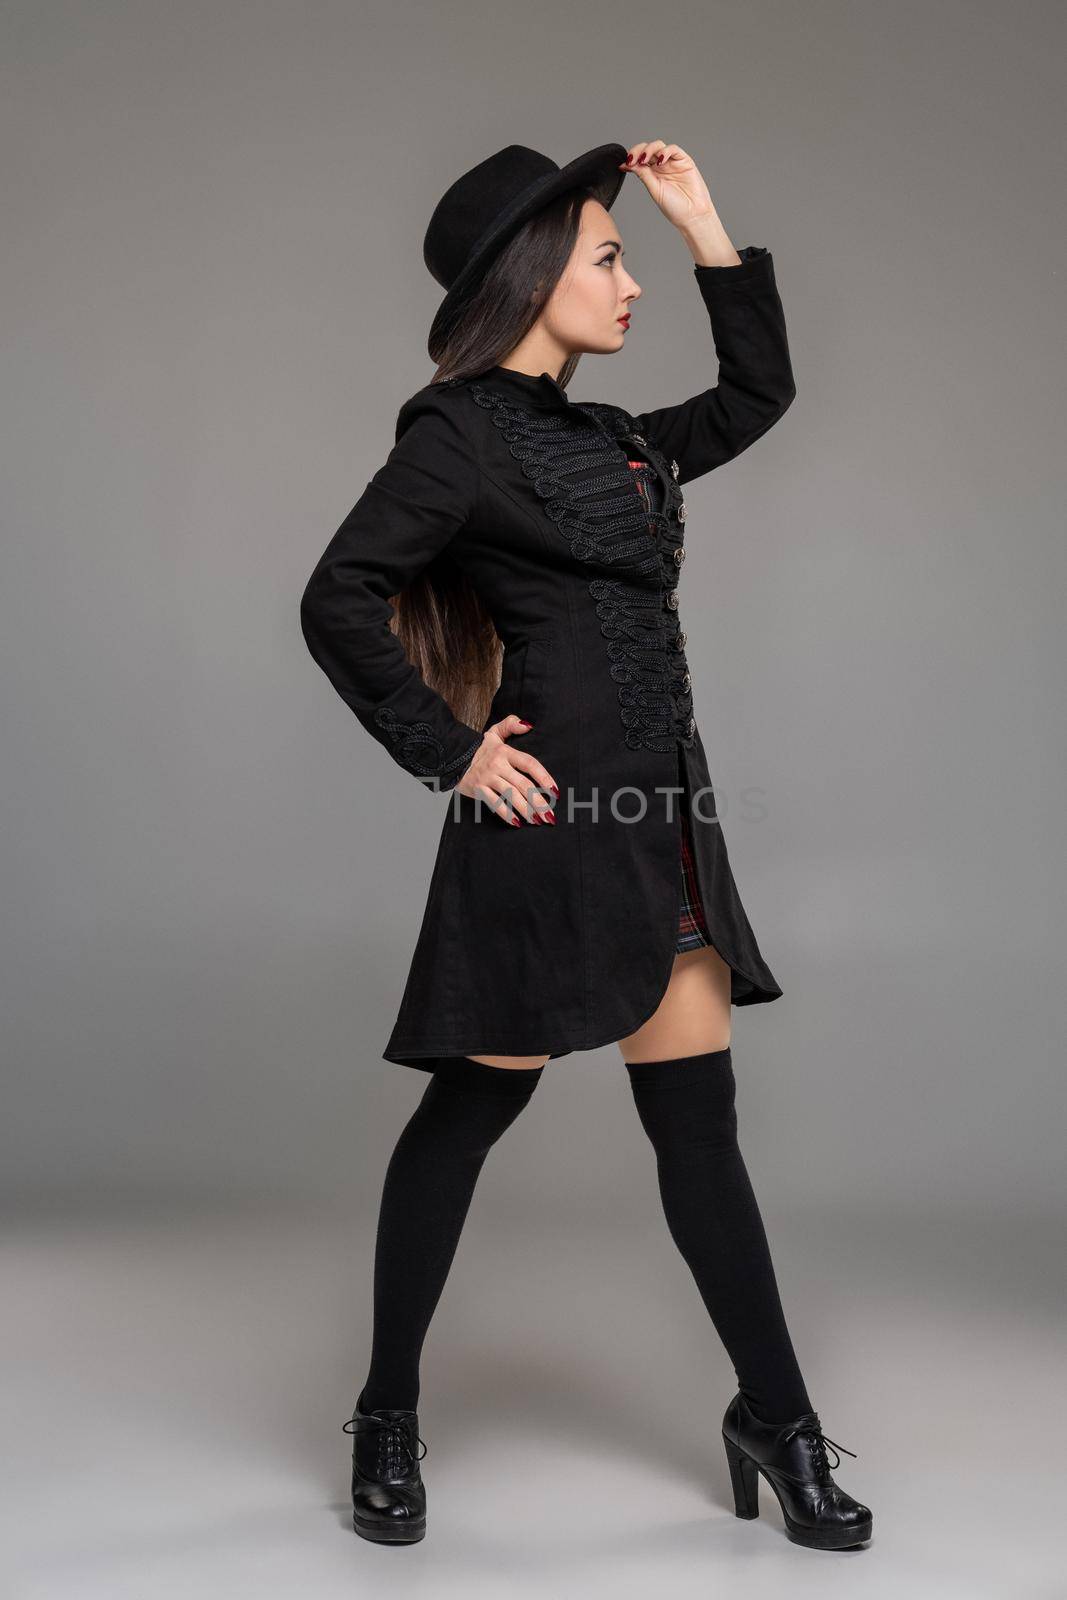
498 768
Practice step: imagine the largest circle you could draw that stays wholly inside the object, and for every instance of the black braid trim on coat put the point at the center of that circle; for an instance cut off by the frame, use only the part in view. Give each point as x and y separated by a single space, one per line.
415 744
585 483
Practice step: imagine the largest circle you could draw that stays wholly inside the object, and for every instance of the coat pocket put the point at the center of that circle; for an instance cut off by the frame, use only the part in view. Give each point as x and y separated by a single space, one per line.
524 678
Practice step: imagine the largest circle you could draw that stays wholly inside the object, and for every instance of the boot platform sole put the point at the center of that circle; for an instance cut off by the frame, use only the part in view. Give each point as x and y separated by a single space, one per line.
407 1532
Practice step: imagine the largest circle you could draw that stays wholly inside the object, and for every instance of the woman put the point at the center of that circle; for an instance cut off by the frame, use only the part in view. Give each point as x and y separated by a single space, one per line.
500 611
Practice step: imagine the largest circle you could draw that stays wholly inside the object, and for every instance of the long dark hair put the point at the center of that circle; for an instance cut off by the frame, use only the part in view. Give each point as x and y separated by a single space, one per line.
440 618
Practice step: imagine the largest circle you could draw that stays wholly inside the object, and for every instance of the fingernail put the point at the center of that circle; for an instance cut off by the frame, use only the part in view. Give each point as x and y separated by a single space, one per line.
640 158
516 822
629 160
549 816
525 723
555 791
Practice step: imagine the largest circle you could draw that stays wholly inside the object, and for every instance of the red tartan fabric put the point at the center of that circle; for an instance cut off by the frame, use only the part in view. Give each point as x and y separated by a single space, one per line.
692 925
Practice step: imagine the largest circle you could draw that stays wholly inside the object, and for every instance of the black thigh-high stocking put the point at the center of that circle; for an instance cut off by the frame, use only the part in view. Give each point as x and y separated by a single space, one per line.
686 1106
429 1184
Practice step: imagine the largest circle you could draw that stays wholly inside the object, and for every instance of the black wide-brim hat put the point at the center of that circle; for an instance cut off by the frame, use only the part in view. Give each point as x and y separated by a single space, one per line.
483 209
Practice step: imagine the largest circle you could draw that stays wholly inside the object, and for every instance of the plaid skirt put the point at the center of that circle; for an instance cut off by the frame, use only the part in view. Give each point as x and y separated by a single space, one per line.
692 923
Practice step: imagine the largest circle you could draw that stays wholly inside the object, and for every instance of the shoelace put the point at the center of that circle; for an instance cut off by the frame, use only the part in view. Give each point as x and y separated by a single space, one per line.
811 1428
392 1439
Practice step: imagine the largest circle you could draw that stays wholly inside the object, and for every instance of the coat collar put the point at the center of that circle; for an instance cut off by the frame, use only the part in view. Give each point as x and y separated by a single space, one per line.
540 392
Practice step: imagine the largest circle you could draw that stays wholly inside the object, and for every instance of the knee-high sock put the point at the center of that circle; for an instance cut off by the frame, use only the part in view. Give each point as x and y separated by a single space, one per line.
429 1184
686 1105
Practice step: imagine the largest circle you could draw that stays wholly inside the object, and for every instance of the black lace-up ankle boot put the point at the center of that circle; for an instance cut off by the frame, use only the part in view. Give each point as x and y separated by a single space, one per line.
388 1494
792 1458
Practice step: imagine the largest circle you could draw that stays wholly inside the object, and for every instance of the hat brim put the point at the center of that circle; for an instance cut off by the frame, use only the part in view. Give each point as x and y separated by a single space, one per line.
599 170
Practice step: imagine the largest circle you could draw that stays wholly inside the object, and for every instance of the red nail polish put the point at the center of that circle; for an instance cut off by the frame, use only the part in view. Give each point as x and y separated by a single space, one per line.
555 791
549 816
640 158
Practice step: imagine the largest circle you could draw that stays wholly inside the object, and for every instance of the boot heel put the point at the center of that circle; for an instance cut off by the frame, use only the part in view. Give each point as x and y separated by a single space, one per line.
744 1477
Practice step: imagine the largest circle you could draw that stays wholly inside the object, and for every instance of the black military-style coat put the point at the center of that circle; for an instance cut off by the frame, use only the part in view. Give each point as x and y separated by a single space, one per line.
541 939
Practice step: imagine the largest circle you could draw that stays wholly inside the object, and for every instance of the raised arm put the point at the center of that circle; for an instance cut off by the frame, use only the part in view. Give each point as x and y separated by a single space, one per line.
410 510
755 376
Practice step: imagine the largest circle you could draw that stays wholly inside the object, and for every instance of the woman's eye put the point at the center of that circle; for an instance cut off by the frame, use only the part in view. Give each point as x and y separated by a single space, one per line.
607 261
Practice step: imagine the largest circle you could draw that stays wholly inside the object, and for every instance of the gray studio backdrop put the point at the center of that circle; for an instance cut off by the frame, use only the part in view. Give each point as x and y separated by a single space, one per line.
215 302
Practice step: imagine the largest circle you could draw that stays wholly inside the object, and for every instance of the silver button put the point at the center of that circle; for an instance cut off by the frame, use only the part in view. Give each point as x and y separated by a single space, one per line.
672 599
674 468
679 555
687 683
681 512
690 727
679 642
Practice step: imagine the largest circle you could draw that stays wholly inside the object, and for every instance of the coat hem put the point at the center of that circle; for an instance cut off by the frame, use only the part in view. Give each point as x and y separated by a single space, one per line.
423 1055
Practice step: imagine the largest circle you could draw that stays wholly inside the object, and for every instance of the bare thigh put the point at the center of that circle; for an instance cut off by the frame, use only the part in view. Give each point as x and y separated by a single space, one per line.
512 1061
694 1015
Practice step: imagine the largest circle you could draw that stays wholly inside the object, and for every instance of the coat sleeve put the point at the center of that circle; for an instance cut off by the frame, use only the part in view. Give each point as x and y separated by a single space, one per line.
411 509
755 377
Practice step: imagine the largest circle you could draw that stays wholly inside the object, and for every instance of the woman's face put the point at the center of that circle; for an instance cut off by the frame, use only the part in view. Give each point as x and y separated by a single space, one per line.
583 311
